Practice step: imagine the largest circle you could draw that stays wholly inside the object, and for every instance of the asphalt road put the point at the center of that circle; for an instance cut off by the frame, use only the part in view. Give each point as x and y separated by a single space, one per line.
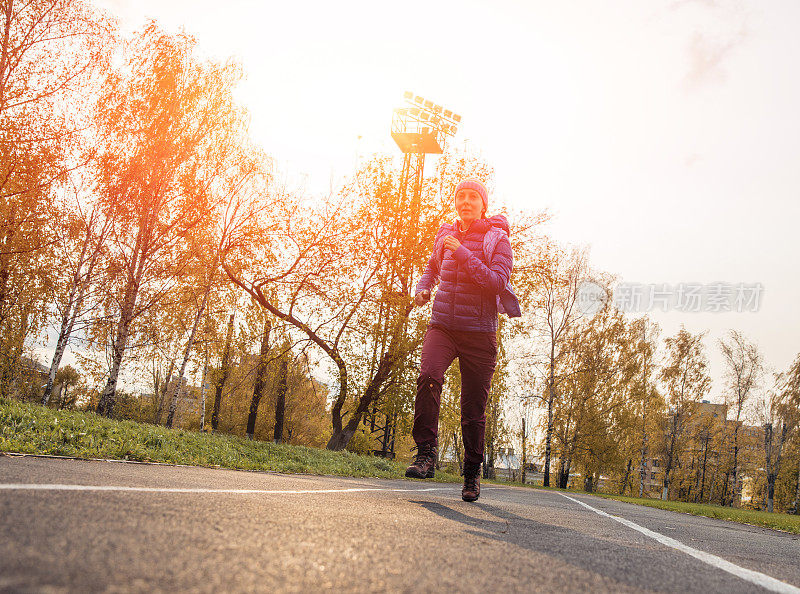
75 526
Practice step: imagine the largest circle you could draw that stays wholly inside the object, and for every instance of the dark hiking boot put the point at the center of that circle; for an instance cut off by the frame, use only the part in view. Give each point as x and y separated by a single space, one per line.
472 481
424 465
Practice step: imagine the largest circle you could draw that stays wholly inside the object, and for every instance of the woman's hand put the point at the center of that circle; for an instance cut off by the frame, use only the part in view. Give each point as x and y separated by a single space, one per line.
422 298
451 243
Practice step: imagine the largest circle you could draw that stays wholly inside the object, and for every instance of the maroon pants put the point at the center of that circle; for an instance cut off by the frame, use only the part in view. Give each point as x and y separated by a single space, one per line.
477 356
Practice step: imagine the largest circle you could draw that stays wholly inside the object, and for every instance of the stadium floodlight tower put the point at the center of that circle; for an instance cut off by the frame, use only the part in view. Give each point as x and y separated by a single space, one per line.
419 128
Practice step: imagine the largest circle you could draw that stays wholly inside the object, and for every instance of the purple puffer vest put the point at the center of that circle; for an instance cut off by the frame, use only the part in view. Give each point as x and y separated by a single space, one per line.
467 298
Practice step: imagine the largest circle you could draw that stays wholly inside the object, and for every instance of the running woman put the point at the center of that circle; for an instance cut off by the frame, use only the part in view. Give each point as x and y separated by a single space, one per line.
473 260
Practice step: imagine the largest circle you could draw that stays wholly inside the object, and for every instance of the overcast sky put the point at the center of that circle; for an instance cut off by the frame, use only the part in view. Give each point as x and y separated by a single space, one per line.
663 134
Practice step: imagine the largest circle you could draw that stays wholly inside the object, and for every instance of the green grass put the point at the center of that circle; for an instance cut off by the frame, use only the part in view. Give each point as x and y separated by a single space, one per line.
32 429
785 522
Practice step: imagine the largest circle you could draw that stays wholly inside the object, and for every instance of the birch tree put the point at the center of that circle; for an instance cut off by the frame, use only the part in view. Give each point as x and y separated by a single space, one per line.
686 381
596 411
782 413
779 416
165 124
556 312
649 399
50 52
91 231
743 369
242 197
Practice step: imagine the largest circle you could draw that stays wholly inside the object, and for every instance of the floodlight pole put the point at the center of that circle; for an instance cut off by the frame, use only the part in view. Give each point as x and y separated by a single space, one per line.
420 128
411 195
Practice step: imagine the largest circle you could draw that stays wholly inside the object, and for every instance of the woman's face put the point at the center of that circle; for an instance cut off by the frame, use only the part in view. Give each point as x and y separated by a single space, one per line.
469 205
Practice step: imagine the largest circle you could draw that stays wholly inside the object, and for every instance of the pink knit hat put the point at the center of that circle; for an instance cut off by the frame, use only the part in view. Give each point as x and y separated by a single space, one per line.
474 184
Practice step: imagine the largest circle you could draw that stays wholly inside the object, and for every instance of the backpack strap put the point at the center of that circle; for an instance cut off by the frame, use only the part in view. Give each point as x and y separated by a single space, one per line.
507 302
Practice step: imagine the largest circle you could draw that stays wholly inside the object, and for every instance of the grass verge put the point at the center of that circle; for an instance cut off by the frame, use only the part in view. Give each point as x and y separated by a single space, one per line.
785 522
32 429
776 521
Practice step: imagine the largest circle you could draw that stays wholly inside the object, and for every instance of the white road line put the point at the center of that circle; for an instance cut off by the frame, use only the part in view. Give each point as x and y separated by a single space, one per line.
56 487
754 577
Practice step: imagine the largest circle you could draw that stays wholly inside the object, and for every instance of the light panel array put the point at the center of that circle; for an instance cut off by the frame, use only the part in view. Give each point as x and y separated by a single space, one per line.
425 110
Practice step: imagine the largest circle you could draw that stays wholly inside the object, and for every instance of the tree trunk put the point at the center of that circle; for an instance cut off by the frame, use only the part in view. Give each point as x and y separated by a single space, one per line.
670 457
488 466
772 474
223 376
394 434
768 438
735 463
67 401
770 493
696 475
524 453
203 390
627 477
61 344
108 398
339 441
797 492
74 302
261 380
342 435
642 467
161 393
643 449
548 440
5 253
712 484
67 322
726 483
705 464
280 401
563 481
173 405
773 459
